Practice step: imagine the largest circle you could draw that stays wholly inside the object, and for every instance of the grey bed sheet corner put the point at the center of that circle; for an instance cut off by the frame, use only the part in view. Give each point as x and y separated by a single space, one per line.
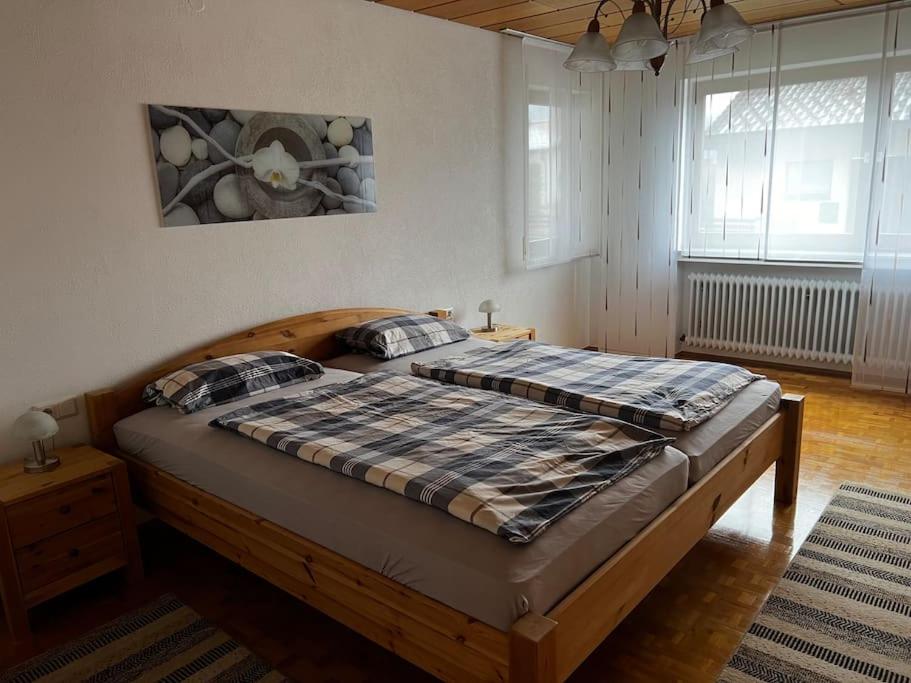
414 544
705 445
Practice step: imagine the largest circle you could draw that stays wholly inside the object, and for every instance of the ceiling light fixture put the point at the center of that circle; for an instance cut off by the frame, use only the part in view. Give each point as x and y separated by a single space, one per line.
643 40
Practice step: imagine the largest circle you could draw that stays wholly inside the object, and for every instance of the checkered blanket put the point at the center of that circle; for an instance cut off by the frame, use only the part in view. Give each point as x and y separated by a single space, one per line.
655 392
505 465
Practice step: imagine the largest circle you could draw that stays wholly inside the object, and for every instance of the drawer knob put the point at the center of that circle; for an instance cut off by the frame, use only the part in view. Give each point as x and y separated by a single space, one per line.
65 509
74 552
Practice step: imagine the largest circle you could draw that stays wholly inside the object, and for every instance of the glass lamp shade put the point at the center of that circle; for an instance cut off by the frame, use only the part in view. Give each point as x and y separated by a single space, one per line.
723 27
489 306
640 39
35 425
706 50
640 65
592 53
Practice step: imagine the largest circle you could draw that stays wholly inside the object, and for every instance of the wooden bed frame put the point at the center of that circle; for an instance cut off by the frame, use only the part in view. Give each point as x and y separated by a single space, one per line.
538 648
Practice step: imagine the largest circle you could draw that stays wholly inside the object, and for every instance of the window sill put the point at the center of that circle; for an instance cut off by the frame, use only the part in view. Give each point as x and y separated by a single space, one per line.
775 264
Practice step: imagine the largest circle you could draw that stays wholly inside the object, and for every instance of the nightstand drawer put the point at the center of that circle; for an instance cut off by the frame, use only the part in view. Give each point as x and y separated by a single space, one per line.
66 554
67 508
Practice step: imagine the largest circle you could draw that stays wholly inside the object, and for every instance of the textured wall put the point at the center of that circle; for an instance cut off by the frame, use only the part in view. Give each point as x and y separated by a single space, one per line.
93 289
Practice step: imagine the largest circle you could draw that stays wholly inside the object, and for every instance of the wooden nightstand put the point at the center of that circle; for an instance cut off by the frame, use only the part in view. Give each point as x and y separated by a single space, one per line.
62 528
506 333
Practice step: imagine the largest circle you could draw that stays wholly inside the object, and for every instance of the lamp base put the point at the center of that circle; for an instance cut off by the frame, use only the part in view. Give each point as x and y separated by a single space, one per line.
32 466
490 328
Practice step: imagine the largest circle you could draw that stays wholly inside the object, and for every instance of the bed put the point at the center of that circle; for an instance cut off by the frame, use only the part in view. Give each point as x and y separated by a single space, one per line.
552 608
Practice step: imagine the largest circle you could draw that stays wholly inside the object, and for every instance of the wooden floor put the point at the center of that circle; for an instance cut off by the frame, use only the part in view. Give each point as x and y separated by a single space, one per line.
684 631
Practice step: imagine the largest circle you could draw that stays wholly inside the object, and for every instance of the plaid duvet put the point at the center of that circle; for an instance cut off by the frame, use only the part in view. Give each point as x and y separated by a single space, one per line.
229 378
658 393
505 465
401 335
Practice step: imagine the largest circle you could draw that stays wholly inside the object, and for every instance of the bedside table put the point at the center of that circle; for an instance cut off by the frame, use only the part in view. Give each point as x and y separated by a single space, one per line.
62 528
505 333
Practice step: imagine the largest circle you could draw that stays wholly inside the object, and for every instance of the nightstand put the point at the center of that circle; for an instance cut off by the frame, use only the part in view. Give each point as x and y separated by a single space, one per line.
505 333
62 528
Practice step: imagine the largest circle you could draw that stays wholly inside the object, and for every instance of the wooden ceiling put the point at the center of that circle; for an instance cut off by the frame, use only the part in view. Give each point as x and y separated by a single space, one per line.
565 20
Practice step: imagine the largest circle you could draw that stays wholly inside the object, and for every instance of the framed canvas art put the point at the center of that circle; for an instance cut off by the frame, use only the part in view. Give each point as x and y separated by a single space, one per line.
224 165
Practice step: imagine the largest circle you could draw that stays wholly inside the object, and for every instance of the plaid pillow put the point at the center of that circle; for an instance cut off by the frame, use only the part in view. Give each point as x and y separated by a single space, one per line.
401 335
226 379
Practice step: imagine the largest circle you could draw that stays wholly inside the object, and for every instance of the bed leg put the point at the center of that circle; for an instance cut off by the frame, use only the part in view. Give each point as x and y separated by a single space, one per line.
533 650
787 467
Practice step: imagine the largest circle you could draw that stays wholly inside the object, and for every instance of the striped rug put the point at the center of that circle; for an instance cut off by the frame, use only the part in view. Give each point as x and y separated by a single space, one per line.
842 611
164 641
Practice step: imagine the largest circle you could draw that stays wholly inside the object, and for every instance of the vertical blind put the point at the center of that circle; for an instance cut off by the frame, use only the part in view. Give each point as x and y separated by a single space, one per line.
563 163
883 348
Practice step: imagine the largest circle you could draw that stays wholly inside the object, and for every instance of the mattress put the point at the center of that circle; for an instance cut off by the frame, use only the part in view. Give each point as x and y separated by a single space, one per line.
414 544
705 445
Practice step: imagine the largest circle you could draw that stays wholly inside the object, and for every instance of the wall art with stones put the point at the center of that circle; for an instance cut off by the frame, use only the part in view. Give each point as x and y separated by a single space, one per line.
224 165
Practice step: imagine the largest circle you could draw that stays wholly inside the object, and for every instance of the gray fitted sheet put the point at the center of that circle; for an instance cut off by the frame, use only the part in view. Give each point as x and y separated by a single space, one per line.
706 445
419 546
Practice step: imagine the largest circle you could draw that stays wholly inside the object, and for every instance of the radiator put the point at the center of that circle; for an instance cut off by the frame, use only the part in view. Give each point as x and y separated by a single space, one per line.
788 318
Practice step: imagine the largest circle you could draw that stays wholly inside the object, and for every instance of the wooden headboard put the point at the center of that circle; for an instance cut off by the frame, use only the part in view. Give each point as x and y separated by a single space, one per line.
311 335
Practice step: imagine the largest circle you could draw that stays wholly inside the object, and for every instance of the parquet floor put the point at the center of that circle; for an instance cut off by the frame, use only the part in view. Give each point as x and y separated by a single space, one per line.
684 631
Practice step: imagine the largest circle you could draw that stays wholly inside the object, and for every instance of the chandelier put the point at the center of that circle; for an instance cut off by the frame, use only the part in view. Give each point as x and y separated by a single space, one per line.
643 40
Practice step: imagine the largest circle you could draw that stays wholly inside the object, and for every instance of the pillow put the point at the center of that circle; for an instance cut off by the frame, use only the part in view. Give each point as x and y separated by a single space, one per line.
226 379
402 335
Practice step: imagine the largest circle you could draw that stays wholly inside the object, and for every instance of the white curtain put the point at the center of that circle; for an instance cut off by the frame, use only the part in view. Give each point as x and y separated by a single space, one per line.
633 295
563 163
883 347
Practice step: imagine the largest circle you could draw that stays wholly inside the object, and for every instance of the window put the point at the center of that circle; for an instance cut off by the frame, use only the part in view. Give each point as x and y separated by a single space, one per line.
779 145
563 162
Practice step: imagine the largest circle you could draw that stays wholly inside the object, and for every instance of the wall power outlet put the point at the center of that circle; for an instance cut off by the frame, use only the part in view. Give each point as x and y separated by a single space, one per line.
68 407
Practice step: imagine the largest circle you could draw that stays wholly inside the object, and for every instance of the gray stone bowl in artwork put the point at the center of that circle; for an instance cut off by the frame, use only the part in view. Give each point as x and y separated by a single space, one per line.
302 142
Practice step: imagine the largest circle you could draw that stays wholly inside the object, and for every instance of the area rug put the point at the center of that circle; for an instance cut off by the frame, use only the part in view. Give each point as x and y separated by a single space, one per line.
164 641
842 611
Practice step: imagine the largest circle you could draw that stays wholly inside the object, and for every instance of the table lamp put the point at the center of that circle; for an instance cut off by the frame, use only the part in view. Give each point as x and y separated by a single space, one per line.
489 306
36 426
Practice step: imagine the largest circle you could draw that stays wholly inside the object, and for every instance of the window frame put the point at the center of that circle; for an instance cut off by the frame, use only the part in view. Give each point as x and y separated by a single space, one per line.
694 136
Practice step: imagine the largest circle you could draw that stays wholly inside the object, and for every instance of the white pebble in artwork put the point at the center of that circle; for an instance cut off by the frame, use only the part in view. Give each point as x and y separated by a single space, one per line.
175 145
368 189
330 202
349 180
181 214
340 132
229 199
242 116
356 121
349 154
200 148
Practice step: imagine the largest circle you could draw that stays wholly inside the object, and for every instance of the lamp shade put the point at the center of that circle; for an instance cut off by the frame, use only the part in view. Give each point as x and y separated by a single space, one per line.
592 52
35 425
640 39
707 50
489 306
723 27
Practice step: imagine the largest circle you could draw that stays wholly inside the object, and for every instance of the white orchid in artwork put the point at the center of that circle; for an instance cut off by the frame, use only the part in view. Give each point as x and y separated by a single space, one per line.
275 166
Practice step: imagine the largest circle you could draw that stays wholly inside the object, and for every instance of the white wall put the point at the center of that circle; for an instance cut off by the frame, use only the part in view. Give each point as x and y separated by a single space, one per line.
94 290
